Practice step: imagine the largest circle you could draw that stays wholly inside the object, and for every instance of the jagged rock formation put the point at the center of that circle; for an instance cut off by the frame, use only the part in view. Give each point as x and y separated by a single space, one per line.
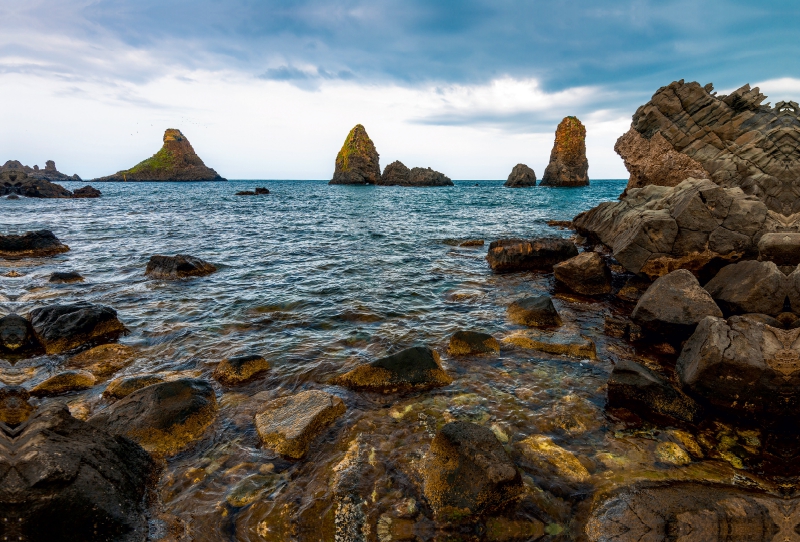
395 173
357 162
568 164
520 177
18 183
49 173
176 161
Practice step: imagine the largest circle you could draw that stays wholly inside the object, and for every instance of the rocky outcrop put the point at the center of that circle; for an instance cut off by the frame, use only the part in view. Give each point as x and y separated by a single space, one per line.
414 369
586 274
289 424
163 418
86 192
62 479
358 161
60 328
176 161
18 183
177 267
240 369
521 177
509 255
32 244
49 173
782 248
568 164
467 472
656 229
395 174
537 311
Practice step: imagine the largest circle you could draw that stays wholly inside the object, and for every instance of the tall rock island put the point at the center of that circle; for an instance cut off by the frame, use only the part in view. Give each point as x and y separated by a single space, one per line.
568 164
357 162
176 161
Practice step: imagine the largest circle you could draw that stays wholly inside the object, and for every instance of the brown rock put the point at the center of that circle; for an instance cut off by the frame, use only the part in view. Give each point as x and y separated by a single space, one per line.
537 311
87 192
566 344
65 277
521 177
124 386
357 162
32 244
586 273
177 267
781 248
509 255
14 405
60 328
16 334
289 424
395 173
568 164
104 360
240 369
753 287
414 369
467 343
64 383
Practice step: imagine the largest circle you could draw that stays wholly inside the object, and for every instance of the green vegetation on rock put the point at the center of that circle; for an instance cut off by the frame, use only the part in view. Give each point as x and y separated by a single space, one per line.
163 160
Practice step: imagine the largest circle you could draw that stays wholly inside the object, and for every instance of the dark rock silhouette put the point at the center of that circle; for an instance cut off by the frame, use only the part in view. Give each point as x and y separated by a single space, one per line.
18 183
87 192
177 267
32 244
521 177
60 328
395 173
508 255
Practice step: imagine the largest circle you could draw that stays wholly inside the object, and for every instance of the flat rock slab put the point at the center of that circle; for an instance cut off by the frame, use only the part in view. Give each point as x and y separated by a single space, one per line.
60 328
163 418
509 255
586 274
62 479
537 311
240 369
33 244
561 343
414 369
104 360
467 472
289 424
466 343
64 383
177 267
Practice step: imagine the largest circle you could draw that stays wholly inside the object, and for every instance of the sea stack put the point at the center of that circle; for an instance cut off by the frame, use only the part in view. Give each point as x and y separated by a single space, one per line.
568 164
521 176
176 161
357 162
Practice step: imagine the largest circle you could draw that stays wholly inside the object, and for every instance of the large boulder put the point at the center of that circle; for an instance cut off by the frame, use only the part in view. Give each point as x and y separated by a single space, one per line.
65 277
754 287
32 244
104 360
508 255
782 248
568 164
16 334
521 177
177 267
649 395
586 273
467 343
745 366
163 418
674 304
395 174
62 479
413 369
240 369
357 161
536 311
86 192
467 472
289 424
176 161
655 229
64 327
18 183
419 176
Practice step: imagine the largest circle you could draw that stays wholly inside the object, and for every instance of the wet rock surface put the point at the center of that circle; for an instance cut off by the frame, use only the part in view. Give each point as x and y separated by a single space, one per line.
124 386
536 311
560 343
32 244
414 369
65 277
64 382
104 360
754 287
568 164
239 369
510 255
357 161
586 273
521 177
466 343
289 424
14 405
16 334
177 267
60 328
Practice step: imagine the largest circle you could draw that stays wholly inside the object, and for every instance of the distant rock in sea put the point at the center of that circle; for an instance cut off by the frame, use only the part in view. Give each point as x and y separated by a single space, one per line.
17 182
521 176
49 173
357 162
176 161
87 192
394 174
568 164
397 174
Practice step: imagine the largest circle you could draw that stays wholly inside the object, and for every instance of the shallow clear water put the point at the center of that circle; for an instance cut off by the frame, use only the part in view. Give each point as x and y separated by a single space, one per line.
317 279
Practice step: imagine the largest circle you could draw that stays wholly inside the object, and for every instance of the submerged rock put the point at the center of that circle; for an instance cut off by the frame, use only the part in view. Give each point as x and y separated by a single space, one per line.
62 479
289 424
552 458
240 369
86 192
176 161
586 274
124 386
16 334
521 177
568 164
14 405
509 255
163 418
18 183
649 395
466 343
467 472
674 304
567 344
357 161
64 383
104 360
32 244
64 327
177 267
537 311
414 369
65 277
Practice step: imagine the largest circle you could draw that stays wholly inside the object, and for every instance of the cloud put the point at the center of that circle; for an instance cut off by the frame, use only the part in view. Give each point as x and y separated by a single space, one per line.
305 79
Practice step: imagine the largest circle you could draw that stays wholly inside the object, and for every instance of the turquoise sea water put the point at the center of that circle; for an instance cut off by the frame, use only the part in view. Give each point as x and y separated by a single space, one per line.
317 279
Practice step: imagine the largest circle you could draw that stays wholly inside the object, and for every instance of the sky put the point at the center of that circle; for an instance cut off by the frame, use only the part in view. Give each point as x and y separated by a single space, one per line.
268 89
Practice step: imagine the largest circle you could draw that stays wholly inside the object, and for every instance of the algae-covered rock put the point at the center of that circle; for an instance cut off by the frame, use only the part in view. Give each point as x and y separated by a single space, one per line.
549 456
357 162
126 385
289 424
104 360
414 369
240 369
566 343
509 255
465 343
60 328
537 311
568 164
176 161
64 383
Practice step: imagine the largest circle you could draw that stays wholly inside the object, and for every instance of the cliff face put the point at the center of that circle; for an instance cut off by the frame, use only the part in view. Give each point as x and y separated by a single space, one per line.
357 162
686 130
176 161
49 173
568 164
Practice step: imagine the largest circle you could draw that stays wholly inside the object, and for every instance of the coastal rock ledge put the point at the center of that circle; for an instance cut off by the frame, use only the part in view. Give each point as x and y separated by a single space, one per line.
176 161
